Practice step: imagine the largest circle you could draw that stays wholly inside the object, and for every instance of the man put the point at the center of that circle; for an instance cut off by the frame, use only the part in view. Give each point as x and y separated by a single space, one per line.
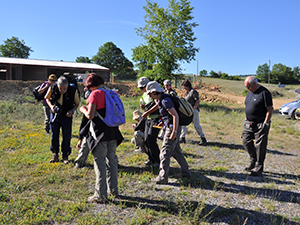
151 133
43 89
63 100
192 96
259 110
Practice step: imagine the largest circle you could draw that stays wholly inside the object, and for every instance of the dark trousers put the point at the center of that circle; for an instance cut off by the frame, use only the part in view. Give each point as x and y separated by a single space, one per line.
151 134
65 123
258 132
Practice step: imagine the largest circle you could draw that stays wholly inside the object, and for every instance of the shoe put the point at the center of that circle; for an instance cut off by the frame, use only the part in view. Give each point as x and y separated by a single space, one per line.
160 138
182 140
159 180
66 160
115 194
138 149
148 163
250 167
203 141
54 158
78 165
47 132
94 199
256 174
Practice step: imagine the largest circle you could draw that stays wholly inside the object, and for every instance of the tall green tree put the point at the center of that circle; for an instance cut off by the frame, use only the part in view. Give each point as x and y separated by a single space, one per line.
282 73
203 73
169 39
112 57
15 48
262 73
83 59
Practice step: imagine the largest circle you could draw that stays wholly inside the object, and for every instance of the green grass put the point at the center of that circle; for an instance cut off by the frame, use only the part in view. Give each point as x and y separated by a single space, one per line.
33 191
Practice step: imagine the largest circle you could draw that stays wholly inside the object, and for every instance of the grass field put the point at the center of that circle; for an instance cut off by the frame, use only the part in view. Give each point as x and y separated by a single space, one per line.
33 191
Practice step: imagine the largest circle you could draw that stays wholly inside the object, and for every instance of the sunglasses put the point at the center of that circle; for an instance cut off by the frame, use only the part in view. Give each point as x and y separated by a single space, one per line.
52 80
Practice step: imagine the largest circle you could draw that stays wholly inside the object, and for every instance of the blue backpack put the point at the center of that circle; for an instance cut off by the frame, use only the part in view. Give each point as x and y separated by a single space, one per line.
115 112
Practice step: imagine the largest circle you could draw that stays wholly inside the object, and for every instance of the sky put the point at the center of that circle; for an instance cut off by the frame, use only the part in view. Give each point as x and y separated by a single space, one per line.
234 36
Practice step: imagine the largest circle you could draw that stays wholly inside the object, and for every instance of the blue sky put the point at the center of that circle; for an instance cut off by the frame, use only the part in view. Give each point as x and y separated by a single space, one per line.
234 36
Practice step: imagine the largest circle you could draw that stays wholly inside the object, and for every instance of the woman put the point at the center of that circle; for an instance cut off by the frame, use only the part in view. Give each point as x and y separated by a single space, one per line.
102 141
170 146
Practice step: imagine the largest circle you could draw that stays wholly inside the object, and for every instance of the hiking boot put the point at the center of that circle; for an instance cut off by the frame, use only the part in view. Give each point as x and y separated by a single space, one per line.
66 160
250 167
182 140
203 141
54 158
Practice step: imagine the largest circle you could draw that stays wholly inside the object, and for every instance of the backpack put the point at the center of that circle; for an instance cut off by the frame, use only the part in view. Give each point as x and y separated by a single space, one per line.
36 94
115 112
72 82
184 109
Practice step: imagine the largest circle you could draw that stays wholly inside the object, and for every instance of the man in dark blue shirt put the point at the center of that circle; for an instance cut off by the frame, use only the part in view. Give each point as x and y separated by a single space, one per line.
259 110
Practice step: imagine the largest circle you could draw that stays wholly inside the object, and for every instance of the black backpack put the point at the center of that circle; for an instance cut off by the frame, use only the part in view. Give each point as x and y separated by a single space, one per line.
36 94
184 109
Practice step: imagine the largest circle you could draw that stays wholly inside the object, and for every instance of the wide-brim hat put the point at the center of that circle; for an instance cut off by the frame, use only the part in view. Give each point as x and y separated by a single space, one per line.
142 82
137 115
153 86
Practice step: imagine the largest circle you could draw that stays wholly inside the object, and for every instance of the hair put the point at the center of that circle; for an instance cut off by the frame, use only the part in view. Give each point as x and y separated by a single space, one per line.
167 82
253 80
93 80
62 81
186 83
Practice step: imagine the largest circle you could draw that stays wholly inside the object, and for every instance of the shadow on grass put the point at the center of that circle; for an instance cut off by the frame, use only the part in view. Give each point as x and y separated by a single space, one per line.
236 147
197 211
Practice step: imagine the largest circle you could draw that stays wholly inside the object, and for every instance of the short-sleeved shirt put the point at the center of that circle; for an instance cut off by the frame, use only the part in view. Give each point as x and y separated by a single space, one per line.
146 98
60 100
97 98
166 104
256 104
192 96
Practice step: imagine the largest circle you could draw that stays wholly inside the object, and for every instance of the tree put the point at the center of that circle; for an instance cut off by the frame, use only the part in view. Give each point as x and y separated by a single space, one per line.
262 73
282 73
203 73
169 39
112 57
15 49
83 59
214 74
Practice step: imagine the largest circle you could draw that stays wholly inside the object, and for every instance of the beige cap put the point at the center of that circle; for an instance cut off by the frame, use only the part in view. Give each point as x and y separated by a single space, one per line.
154 86
142 82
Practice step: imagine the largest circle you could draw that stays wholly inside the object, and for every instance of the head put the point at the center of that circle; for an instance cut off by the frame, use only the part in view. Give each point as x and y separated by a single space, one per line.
154 90
251 83
186 84
52 79
167 84
142 83
93 81
137 115
62 84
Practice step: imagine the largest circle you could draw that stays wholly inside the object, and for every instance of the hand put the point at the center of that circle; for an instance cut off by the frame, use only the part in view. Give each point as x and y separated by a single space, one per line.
83 109
145 115
142 106
134 125
69 113
173 135
79 144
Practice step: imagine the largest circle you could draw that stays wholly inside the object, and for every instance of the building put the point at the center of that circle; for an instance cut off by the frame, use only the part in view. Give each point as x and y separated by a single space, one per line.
32 69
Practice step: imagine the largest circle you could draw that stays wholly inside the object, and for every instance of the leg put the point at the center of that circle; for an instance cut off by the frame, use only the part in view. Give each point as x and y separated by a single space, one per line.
112 167
248 136
197 125
100 153
55 129
83 153
47 118
66 132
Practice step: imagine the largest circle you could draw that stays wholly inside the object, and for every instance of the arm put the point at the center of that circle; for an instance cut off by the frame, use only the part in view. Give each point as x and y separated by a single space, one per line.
154 108
175 116
196 103
42 89
89 111
269 114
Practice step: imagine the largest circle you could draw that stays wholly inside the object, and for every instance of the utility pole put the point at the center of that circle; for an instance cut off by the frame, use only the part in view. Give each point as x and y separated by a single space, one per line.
269 73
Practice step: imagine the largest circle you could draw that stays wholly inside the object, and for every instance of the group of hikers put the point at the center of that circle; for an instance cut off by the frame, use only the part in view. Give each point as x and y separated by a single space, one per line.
159 119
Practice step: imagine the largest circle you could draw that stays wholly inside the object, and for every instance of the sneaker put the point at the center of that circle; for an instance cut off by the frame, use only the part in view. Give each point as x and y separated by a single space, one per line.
182 140
148 163
66 160
159 180
203 141
94 199
250 167
54 158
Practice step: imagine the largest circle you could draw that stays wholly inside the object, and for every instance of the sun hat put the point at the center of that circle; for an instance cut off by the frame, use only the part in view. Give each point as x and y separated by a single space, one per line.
167 82
154 86
142 82
137 115
52 77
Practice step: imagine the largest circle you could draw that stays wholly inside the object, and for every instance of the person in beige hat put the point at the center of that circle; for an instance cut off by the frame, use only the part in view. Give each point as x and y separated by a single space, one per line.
139 136
171 145
43 90
151 133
